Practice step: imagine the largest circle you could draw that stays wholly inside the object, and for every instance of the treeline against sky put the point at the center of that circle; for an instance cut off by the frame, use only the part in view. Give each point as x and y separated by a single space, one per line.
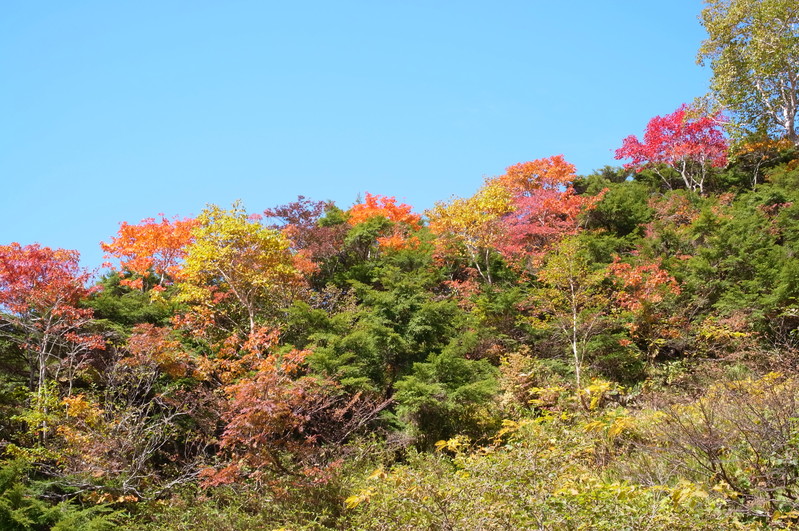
614 350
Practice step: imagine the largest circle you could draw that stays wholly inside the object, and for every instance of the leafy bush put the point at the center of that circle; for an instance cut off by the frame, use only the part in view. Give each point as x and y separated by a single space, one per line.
27 504
540 478
740 439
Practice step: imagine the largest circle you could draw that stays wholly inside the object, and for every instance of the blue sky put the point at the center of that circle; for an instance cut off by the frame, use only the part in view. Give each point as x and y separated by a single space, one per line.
117 111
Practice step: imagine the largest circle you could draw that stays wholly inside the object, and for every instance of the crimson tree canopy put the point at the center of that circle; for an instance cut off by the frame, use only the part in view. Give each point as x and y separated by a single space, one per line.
683 140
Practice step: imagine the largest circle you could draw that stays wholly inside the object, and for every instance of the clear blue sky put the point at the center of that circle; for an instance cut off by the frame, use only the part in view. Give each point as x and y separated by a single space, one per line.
116 111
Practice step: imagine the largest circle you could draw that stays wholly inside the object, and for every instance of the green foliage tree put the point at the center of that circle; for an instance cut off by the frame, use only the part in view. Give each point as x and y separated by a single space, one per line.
753 49
448 394
119 306
381 330
25 505
618 221
741 257
571 300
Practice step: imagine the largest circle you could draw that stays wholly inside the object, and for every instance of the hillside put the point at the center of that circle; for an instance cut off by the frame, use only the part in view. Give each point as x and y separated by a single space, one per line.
617 350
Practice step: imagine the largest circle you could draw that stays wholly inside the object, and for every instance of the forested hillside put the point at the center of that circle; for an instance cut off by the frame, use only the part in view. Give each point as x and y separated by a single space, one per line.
557 351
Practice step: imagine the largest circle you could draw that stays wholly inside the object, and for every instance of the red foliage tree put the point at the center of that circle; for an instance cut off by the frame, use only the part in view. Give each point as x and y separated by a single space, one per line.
279 419
40 294
300 223
545 208
683 140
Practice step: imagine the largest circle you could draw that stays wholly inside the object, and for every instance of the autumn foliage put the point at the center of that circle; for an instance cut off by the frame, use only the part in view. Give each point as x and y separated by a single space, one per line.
387 207
545 208
549 173
328 368
404 222
36 281
473 223
518 214
300 222
236 271
151 247
41 291
685 141
616 350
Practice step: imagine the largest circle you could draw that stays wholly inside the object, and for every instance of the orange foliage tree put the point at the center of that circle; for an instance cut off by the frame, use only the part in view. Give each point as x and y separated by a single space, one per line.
151 247
404 221
641 290
548 173
266 415
279 418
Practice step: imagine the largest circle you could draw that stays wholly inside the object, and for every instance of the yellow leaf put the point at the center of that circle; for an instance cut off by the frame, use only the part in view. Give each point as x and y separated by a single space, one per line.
379 473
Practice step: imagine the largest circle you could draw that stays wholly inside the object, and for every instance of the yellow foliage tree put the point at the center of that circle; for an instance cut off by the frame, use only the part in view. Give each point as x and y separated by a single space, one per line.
237 269
473 223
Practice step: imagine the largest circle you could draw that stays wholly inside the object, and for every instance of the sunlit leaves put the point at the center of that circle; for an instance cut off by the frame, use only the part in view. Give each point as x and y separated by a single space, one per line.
685 141
151 247
753 49
403 221
518 214
40 292
378 205
237 268
40 280
547 173
540 219
472 221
